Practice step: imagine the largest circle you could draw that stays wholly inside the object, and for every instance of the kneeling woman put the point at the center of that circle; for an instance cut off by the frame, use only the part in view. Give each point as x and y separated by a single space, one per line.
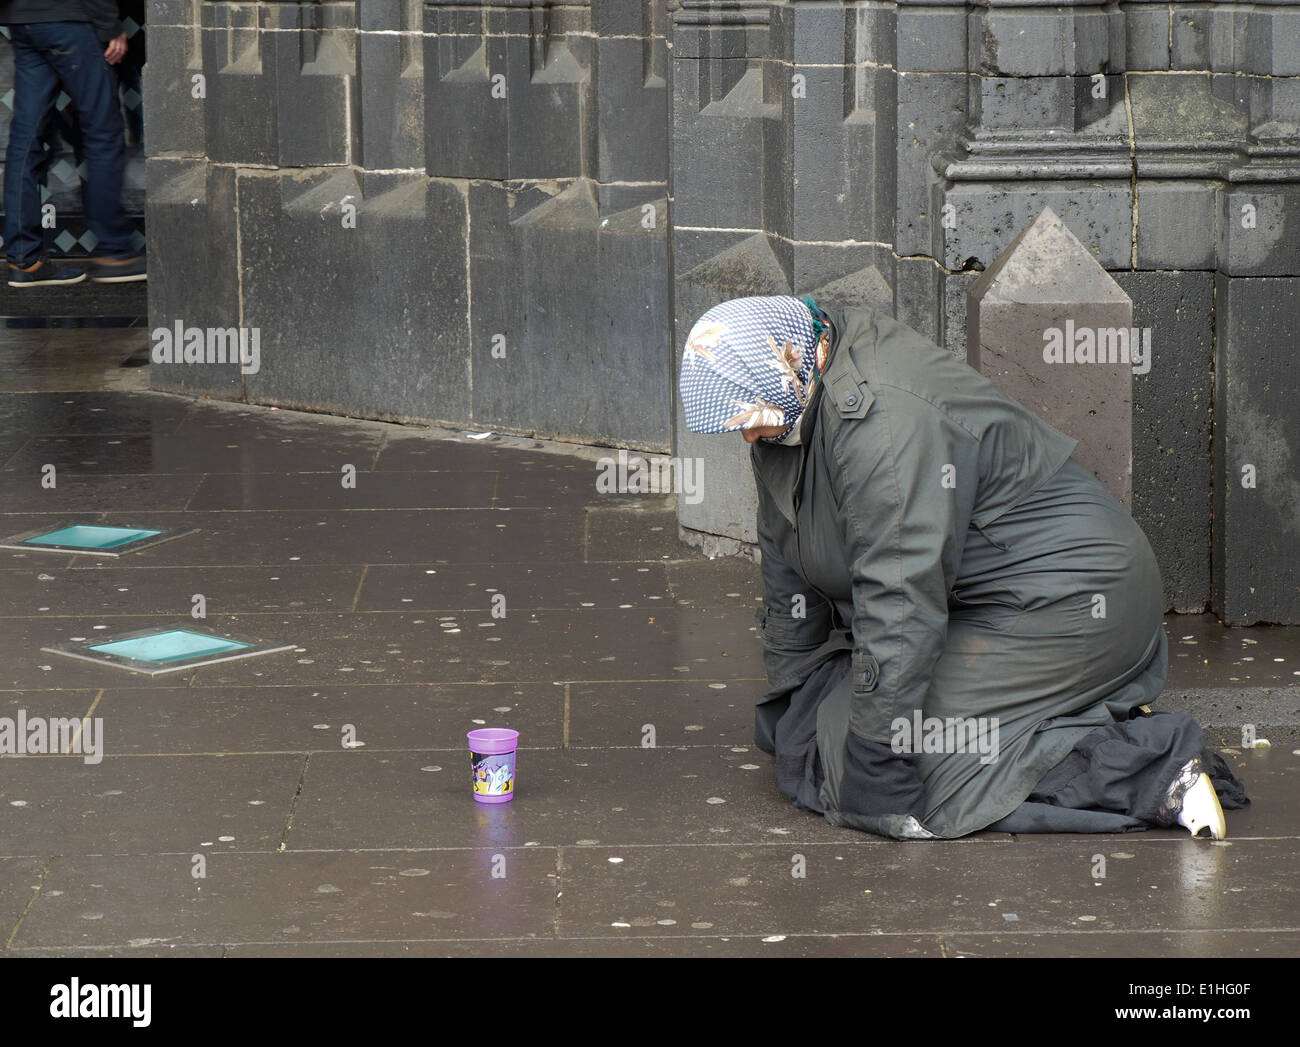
961 627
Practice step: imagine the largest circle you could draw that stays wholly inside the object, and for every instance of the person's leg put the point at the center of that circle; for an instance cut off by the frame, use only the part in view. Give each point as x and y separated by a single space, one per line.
36 85
1149 768
77 57
798 767
128 78
49 136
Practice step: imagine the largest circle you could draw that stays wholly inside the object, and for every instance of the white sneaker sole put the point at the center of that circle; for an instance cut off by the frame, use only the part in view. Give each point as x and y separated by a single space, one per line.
136 278
1202 810
47 283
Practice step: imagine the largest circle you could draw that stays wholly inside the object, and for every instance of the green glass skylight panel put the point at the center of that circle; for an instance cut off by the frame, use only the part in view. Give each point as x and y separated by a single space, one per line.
91 537
97 539
174 645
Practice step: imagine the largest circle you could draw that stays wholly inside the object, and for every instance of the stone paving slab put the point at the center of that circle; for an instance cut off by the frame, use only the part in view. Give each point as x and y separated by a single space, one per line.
668 713
47 702
20 879
1154 944
73 361
154 951
717 582
620 535
475 588
101 901
387 536
437 451
696 945
106 414
192 450
129 591
203 444
83 494
1047 888
11 442
129 805
1205 654
327 490
178 720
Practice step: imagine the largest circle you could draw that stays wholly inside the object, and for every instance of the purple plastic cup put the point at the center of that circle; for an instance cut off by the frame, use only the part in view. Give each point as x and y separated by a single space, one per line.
492 756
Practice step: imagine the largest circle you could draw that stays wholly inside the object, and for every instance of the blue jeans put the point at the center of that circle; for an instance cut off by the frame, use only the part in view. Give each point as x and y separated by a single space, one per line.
48 55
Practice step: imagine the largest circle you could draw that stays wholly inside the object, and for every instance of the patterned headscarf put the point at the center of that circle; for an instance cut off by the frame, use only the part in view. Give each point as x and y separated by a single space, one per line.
748 364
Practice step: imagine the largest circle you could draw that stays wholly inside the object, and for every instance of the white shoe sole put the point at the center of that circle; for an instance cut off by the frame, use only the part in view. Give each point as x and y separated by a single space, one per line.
120 279
47 283
1202 810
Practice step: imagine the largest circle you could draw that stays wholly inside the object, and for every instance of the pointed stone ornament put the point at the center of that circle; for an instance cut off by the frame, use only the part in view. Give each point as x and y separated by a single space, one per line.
750 267
864 287
1051 327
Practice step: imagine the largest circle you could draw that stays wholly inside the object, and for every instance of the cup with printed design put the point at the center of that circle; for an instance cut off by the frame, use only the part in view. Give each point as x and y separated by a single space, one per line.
492 758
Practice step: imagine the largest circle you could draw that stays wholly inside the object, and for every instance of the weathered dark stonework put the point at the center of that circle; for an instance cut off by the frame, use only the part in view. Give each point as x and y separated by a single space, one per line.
325 350
1171 428
446 211
1046 287
549 194
1256 450
193 222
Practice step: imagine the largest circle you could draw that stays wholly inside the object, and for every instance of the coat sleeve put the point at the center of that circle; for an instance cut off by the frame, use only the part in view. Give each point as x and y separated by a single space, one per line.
794 620
906 477
103 16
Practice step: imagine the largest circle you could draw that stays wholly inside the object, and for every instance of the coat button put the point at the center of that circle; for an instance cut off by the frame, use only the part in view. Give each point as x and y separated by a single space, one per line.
850 400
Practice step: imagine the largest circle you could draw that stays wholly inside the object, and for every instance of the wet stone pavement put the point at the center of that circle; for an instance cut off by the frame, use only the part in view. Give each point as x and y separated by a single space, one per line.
317 802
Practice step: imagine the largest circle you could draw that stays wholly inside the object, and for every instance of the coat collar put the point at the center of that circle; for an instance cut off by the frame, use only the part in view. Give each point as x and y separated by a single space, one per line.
780 469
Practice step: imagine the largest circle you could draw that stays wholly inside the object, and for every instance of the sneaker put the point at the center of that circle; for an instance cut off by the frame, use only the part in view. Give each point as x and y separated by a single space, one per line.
44 274
1202 811
1191 802
118 270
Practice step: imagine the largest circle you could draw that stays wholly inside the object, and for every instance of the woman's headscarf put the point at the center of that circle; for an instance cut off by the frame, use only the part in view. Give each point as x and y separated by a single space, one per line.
748 364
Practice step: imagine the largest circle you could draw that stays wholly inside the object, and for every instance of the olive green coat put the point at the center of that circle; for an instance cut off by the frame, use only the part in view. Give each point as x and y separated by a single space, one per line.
941 532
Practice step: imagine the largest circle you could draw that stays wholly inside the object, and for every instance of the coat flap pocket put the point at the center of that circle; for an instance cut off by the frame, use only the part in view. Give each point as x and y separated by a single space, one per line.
850 395
787 632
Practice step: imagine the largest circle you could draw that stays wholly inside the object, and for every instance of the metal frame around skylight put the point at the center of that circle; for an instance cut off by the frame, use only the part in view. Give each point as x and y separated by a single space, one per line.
165 534
80 649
